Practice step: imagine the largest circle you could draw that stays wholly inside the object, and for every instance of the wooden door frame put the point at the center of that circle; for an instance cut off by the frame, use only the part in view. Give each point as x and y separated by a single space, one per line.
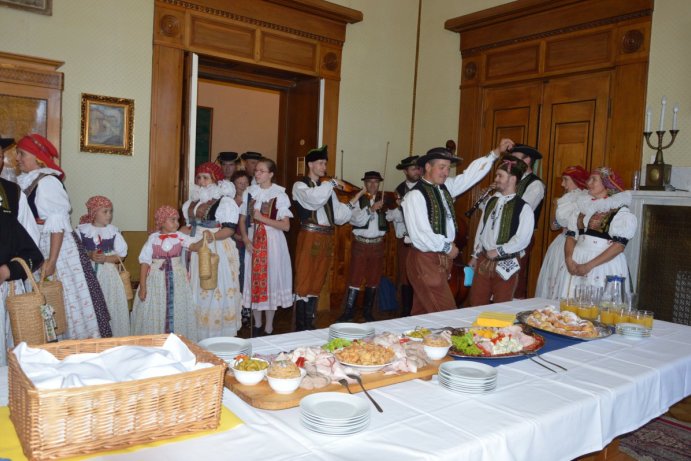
302 36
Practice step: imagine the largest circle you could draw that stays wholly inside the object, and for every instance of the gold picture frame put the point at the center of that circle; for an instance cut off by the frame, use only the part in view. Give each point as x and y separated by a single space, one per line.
35 6
107 125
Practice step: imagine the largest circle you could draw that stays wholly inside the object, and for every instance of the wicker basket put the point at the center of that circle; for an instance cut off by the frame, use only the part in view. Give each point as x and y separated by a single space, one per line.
126 280
204 257
53 291
58 423
25 311
211 282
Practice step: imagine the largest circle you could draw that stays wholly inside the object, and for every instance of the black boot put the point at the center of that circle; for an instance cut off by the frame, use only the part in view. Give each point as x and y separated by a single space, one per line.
311 312
257 332
300 307
406 300
368 304
351 299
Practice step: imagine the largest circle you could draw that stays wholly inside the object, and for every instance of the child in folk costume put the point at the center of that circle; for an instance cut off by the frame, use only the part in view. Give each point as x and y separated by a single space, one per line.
574 181
211 209
106 246
268 272
163 303
65 257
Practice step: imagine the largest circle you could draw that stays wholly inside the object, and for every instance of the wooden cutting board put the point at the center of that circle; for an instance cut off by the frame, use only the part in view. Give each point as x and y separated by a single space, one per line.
262 396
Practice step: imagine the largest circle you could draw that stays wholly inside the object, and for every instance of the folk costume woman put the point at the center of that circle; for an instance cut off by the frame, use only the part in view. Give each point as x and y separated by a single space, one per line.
242 181
163 302
209 209
598 233
106 247
65 257
268 272
574 181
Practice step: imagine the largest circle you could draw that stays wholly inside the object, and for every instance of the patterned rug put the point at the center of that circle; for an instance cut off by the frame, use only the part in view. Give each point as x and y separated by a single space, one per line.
662 439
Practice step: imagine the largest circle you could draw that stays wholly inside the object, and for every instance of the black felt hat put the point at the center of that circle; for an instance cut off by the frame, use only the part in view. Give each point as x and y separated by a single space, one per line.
320 153
249 155
5 143
527 150
441 153
228 157
372 175
407 162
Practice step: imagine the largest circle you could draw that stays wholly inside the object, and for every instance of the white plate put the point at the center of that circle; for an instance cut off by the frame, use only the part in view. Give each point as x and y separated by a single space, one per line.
334 406
468 370
364 369
349 330
339 431
226 345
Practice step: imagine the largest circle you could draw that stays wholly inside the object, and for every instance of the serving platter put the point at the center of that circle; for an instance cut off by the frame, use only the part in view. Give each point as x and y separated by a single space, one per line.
539 343
602 329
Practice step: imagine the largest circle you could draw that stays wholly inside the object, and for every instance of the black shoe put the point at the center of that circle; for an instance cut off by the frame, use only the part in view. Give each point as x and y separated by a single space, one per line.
257 332
311 313
368 304
349 310
300 306
406 300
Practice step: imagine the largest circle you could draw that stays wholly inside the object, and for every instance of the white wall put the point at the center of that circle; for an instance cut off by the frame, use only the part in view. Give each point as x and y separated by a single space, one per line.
106 47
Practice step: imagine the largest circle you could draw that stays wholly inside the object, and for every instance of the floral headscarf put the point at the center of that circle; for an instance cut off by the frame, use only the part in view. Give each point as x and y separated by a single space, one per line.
163 213
213 169
94 204
578 174
610 179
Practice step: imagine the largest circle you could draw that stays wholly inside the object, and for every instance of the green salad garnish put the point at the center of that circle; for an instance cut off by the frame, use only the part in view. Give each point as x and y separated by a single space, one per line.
336 343
465 344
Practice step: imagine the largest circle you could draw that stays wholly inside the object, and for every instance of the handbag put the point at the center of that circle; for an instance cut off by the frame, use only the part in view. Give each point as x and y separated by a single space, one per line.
126 280
53 292
25 311
212 282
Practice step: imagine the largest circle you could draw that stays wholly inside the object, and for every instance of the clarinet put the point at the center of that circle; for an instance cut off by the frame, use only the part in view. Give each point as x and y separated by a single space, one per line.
483 196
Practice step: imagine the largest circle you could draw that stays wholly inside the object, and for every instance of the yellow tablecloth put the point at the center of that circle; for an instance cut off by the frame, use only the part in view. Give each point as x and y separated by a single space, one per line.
10 447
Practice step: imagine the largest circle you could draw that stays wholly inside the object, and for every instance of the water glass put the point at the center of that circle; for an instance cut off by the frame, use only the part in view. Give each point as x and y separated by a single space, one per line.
645 318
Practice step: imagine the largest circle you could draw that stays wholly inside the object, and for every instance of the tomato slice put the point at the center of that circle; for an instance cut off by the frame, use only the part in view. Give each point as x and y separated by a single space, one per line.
300 362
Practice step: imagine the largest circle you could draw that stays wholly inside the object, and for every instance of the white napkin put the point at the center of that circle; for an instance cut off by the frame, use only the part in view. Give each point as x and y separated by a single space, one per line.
122 363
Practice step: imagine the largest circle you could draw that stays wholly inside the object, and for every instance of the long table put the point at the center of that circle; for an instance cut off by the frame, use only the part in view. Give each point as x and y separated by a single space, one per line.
613 386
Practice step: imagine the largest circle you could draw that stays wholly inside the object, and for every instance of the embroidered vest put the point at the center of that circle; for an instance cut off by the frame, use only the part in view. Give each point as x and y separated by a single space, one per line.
31 195
510 217
435 207
522 186
381 219
9 198
599 223
310 216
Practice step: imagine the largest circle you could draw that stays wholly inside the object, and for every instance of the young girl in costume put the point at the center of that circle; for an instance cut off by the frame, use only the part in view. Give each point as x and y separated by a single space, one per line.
106 246
163 303
210 209
268 272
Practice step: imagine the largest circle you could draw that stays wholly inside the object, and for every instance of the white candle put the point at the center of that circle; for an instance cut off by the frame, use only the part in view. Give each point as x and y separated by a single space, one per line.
648 117
662 114
674 119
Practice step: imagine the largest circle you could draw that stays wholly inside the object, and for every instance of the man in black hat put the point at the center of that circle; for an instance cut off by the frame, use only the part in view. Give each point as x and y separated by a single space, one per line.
367 250
229 162
430 218
250 160
319 212
13 202
412 176
532 190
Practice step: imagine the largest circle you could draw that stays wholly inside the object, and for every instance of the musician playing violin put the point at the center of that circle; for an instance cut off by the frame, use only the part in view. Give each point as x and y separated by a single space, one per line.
431 222
367 249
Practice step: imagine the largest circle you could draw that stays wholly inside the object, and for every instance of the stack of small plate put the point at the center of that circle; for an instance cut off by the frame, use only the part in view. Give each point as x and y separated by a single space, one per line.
334 413
632 330
227 347
467 377
350 331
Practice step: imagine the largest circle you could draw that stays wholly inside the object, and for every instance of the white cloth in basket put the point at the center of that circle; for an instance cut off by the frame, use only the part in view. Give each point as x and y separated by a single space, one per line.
121 363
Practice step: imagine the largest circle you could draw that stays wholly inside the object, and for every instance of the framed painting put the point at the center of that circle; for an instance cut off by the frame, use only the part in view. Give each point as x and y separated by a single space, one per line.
107 125
35 6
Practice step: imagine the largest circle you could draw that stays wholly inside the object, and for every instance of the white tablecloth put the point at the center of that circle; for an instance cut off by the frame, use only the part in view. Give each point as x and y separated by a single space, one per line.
612 386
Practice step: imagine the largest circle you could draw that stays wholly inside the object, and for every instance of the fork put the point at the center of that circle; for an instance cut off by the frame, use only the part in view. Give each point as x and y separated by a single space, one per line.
344 383
359 381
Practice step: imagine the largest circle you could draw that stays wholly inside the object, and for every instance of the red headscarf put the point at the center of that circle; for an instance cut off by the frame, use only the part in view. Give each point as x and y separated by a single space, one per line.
92 206
578 174
610 179
212 169
163 213
43 149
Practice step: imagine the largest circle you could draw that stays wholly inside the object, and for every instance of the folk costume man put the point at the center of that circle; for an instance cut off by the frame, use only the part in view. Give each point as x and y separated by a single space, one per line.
412 175
504 232
13 201
229 163
318 211
532 190
430 218
367 249
250 160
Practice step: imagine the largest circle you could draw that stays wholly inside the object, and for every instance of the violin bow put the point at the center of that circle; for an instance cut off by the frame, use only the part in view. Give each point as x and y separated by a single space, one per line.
386 161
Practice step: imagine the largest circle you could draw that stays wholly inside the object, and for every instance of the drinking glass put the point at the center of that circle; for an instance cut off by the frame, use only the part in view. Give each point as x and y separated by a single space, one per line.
607 315
645 318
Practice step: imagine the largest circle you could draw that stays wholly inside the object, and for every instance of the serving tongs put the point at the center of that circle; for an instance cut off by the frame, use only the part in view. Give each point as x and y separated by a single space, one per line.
533 355
359 381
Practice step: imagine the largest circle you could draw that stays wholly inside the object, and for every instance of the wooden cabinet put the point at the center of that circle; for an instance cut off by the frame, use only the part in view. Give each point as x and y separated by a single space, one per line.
568 77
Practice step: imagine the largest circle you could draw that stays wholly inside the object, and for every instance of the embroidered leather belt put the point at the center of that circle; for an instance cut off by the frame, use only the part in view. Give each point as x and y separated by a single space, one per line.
505 257
369 241
310 227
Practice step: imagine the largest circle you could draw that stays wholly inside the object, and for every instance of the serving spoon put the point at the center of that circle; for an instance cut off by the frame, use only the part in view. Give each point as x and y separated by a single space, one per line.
359 381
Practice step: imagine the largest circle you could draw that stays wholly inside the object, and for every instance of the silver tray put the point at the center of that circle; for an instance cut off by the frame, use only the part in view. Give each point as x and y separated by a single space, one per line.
602 329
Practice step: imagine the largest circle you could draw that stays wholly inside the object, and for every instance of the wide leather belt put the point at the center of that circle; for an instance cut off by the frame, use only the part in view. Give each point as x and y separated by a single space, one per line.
310 227
369 241
505 257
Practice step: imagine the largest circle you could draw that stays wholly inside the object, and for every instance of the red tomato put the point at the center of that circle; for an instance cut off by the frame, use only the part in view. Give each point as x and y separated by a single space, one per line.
300 362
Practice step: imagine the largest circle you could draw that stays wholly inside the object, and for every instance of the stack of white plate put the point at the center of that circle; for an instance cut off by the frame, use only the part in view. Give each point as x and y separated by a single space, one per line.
467 377
227 347
350 331
334 413
632 330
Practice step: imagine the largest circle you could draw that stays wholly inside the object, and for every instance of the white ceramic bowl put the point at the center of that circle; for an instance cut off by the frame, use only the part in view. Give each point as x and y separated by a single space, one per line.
286 385
250 378
435 352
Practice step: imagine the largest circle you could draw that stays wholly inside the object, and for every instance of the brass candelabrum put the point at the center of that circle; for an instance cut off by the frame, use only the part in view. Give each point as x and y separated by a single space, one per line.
658 174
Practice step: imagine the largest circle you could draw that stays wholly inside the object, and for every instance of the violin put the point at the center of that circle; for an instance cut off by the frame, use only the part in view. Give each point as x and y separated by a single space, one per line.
348 188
